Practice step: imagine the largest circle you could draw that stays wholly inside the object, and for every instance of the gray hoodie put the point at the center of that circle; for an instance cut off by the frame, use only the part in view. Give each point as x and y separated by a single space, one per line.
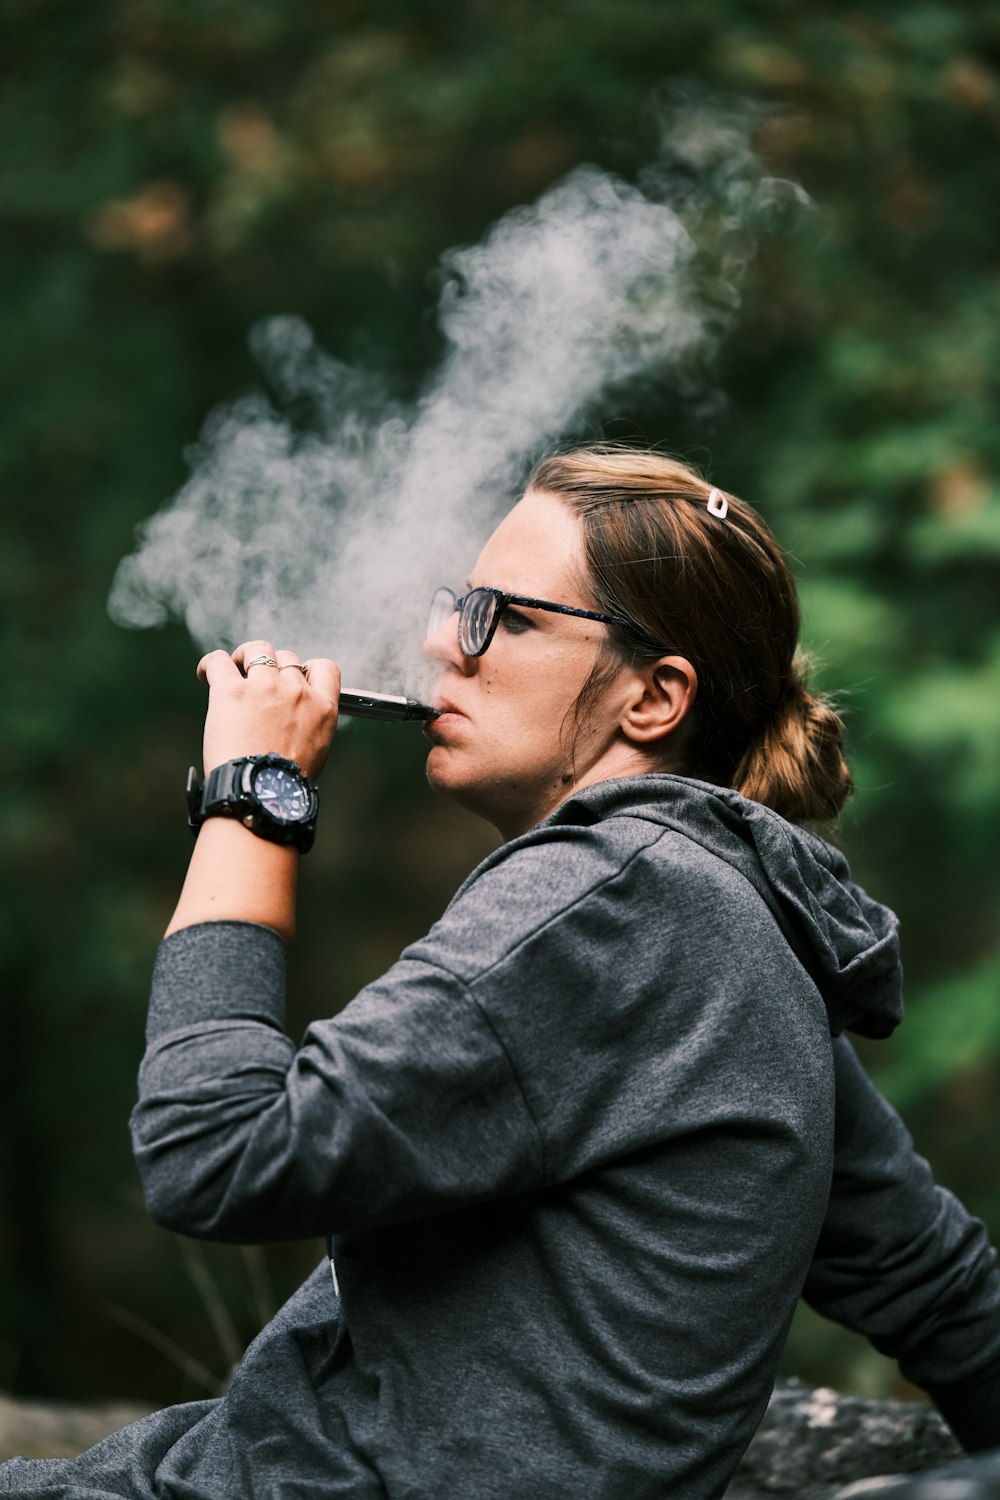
574 1151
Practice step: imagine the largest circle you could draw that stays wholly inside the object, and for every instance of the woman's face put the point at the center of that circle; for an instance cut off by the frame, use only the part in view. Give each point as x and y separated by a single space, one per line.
507 746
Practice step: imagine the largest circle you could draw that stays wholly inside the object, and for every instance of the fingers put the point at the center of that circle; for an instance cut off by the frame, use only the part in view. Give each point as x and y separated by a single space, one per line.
253 654
217 667
320 673
289 661
324 677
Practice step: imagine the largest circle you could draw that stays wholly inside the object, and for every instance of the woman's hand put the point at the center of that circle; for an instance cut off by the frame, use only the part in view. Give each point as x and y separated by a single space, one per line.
256 709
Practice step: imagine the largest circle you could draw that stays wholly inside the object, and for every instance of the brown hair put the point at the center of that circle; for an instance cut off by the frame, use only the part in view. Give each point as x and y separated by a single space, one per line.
719 592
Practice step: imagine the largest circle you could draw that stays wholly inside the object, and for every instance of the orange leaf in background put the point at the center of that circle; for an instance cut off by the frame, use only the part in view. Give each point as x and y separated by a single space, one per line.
958 489
155 224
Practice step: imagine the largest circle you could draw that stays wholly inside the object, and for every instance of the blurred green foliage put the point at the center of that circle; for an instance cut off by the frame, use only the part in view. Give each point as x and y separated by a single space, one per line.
171 171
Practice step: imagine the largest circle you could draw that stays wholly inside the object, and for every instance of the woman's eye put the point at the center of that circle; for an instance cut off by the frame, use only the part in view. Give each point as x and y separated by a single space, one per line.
514 622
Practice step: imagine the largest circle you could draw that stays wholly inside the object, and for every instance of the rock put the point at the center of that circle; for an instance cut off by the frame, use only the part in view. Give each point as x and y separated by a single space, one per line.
59 1429
813 1441
976 1478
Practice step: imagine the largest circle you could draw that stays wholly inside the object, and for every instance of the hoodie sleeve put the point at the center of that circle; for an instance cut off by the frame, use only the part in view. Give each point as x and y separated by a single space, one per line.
901 1261
403 1105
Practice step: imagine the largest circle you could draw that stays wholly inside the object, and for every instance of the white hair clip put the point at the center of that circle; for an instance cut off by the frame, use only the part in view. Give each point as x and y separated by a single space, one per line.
717 504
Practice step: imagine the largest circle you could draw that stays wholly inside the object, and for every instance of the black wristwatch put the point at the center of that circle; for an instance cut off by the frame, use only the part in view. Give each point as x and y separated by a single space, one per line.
268 794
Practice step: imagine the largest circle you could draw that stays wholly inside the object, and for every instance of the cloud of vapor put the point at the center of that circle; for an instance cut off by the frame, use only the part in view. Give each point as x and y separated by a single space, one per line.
322 520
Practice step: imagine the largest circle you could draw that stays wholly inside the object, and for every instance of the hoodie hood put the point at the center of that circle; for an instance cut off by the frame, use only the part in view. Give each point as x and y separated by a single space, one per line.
848 943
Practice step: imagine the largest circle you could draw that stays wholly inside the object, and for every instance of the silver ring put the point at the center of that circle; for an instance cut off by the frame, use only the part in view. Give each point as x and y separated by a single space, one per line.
297 666
260 661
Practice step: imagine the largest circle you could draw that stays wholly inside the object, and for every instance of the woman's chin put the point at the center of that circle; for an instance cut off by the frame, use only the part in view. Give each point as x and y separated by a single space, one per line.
442 773
445 775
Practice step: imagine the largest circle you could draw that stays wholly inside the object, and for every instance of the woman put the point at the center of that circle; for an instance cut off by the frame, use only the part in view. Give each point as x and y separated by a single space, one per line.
574 1150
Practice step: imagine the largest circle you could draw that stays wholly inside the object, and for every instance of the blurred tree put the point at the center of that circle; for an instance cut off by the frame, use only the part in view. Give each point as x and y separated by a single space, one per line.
172 171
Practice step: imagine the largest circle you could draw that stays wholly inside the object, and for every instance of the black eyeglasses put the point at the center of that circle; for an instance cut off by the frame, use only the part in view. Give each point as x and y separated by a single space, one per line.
480 609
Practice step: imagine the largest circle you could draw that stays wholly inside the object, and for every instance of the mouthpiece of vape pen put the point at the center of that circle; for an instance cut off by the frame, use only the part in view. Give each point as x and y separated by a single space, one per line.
388 706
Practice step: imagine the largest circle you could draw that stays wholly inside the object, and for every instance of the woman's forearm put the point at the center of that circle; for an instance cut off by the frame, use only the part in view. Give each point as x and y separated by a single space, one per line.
236 876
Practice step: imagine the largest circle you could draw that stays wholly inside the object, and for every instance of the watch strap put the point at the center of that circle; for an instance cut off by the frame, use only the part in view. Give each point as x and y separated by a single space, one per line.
216 795
221 786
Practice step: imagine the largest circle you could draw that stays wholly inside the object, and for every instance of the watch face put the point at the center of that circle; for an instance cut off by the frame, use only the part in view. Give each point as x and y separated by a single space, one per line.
281 795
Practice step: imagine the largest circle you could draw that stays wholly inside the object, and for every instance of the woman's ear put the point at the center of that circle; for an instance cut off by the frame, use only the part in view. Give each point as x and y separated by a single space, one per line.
664 695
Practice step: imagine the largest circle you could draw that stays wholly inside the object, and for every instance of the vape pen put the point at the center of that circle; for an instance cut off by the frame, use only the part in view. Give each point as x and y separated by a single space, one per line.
389 706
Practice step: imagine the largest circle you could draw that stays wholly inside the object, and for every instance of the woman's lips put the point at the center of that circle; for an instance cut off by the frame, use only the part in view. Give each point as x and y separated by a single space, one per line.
446 713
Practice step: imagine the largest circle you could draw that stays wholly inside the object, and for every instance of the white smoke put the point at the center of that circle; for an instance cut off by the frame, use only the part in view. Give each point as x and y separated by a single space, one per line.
324 522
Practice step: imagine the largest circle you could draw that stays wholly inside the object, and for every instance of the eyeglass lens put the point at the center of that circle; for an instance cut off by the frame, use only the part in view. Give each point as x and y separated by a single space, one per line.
443 602
478 612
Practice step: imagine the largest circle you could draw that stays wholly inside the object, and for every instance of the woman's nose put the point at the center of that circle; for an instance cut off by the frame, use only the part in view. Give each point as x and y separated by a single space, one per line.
441 646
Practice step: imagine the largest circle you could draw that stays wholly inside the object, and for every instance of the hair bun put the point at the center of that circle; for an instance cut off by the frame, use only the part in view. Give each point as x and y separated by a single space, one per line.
796 765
